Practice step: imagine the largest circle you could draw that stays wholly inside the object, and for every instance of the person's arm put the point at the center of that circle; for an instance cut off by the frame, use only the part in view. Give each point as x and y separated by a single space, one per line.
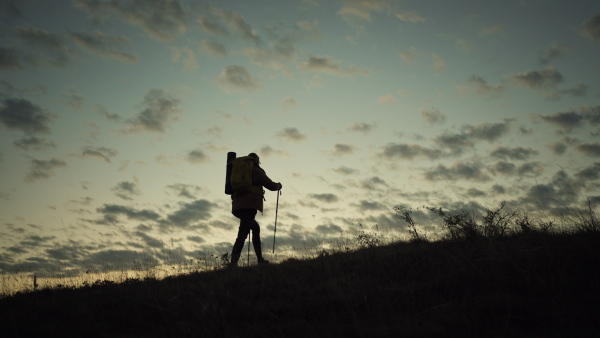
266 182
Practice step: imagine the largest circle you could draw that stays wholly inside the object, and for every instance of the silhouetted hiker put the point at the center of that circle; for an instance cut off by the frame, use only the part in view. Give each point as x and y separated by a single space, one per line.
245 206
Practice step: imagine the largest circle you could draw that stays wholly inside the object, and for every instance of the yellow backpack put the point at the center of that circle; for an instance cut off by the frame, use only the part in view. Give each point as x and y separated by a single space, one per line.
241 176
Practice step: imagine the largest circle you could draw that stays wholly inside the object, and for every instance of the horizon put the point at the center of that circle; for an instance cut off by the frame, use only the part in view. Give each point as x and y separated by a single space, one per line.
117 117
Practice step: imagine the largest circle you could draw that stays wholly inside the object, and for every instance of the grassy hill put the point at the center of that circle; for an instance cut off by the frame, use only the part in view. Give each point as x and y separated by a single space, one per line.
537 284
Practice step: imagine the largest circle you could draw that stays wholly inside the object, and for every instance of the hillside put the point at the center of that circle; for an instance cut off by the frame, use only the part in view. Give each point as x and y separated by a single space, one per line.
542 285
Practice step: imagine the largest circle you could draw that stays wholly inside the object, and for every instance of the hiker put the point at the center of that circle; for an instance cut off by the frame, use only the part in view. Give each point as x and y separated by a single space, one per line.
245 206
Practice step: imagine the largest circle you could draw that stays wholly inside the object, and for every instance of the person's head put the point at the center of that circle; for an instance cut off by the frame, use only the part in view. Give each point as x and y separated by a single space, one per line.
256 158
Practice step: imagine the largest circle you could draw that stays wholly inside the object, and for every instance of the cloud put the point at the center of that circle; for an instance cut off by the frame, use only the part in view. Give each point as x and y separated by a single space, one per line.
370 206
160 19
43 169
102 153
438 64
331 66
406 151
590 173
35 143
372 183
126 190
288 103
197 156
110 116
186 56
470 171
493 30
9 59
482 88
184 190
516 153
112 211
589 149
340 149
160 110
458 142
237 78
410 16
291 134
570 120
345 170
23 115
267 151
191 212
327 198
547 77
556 50
386 99
360 10
214 47
44 49
364 128
149 241
578 90
329 229
103 45
73 99
432 116
591 28
225 22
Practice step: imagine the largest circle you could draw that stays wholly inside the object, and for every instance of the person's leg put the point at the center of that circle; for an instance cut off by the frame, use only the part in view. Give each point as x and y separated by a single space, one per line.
257 243
246 219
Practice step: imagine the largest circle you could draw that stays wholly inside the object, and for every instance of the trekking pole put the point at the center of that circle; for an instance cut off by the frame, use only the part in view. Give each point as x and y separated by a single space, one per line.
276 210
249 240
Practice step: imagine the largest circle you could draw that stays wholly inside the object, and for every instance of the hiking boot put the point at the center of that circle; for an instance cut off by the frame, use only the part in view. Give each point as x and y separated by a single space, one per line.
263 261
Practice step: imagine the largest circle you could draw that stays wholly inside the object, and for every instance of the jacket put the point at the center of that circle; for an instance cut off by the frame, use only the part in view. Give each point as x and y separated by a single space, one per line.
253 201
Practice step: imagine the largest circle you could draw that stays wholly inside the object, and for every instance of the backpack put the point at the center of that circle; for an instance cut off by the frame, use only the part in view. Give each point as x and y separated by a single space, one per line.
241 176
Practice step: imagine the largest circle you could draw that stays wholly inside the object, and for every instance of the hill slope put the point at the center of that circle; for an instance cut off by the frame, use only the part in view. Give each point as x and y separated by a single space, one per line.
520 286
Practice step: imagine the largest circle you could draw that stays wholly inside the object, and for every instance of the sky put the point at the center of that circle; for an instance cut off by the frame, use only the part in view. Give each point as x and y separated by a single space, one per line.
116 118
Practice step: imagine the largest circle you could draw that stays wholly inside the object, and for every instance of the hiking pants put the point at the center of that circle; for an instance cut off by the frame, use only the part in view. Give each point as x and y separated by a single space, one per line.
247 223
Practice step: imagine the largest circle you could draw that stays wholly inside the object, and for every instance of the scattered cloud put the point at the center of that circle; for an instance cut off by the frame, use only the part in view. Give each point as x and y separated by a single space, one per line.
373 183
341 149
23 115
461 170
35 143
555 50
103 45
214 48
589 149
570 120
162 20
536 79
185 190
43 169
482 88
237 78
102 153
493 30
410 16
591 28
111 212
331 66
291 134
515 153
218 21
288 103
406 151
126 190
345 170
364 128
432 116
327 198
268 151
190 213
386 99
197 156
360 10
160 109
186 56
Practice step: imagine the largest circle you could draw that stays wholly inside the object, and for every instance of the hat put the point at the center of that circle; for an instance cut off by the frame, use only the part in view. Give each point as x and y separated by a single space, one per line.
256 158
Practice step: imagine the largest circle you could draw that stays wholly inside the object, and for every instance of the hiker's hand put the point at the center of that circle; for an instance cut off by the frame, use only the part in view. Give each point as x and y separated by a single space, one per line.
280 186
